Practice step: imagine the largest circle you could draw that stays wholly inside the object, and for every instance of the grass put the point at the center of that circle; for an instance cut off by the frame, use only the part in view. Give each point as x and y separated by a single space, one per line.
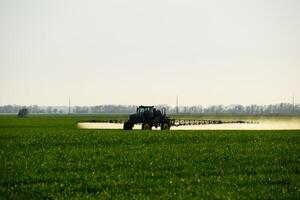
48 157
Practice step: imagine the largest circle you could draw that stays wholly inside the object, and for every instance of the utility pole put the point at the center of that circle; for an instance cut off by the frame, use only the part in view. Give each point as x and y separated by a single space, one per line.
177 109
293 104
69 105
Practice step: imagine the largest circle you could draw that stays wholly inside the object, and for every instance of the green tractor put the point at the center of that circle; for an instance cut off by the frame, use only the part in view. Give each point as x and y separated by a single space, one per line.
149 117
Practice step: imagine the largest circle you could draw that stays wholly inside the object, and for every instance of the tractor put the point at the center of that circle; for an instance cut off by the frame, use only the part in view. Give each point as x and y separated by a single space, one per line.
149 117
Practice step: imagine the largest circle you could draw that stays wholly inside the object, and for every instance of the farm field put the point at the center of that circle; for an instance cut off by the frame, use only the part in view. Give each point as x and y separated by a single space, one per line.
49 157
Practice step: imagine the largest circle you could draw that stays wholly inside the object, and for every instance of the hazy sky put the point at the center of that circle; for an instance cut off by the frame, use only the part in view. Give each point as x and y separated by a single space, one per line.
147 52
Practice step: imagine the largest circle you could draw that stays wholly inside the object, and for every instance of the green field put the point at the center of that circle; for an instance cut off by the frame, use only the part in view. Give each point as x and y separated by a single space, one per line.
49 157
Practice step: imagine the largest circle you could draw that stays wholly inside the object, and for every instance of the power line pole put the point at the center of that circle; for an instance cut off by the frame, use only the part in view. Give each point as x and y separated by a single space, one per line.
69 105
177 109
293 104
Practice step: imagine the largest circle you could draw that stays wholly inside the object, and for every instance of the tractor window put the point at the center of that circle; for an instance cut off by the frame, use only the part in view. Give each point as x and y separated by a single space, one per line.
145 109
148 109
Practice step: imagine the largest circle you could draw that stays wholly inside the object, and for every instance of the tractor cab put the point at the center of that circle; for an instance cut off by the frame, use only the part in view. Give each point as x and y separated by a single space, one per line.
142 109
150 109
145 113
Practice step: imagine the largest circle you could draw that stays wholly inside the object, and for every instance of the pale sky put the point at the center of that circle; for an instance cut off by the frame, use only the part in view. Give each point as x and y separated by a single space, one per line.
147 52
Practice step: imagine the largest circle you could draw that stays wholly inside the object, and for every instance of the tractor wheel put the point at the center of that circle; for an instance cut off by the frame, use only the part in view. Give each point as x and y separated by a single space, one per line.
127 126
165 126
146 126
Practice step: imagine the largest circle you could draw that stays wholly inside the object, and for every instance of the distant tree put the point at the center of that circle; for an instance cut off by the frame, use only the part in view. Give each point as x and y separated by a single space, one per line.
49 110
282 108
23 112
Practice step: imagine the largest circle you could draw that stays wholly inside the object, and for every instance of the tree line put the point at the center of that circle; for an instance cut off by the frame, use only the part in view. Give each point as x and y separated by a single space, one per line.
281 108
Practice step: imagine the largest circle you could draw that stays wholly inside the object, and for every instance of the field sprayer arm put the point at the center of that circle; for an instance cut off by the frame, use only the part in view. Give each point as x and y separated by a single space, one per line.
184 122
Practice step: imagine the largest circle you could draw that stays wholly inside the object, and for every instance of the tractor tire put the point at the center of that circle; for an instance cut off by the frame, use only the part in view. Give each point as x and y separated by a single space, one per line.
165 126
127 126
146 126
